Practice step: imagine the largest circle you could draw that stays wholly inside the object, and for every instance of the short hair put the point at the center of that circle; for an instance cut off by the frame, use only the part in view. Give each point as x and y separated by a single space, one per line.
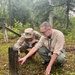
46 25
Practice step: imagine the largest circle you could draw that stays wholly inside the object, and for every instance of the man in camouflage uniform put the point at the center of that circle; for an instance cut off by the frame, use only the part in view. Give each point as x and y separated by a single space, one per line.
27 40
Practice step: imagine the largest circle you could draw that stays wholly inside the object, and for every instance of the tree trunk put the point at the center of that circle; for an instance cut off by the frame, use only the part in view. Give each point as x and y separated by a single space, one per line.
11 21
51 19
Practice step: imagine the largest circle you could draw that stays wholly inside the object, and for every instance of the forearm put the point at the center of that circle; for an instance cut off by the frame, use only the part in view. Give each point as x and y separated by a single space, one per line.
53 58
31 52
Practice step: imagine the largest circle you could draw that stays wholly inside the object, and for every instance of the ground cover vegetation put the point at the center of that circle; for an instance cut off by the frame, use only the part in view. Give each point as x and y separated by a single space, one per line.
22 14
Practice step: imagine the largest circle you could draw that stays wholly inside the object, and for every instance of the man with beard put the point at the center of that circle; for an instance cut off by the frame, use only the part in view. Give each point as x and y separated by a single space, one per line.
50 47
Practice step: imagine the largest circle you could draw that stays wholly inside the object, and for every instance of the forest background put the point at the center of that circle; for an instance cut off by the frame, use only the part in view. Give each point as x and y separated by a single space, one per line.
22 14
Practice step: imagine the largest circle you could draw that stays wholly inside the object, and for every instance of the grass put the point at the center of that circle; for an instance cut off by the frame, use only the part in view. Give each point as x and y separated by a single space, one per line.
34 67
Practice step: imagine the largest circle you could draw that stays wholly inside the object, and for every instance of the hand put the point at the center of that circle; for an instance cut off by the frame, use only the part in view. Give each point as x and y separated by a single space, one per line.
18 58
48 70
22 60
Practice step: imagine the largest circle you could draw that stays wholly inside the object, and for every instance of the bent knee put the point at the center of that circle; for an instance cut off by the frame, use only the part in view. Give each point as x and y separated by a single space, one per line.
42 50
61 58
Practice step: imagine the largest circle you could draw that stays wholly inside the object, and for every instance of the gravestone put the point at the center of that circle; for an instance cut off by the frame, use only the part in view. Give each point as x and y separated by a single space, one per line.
13 61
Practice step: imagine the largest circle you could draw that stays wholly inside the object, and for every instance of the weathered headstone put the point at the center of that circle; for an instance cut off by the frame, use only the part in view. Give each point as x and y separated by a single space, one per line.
13 61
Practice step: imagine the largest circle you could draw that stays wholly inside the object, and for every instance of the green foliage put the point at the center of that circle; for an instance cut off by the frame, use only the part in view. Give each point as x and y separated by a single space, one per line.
60 27
1 34
30 13
57 12
71 36
35 11
19 28
69 33
12 35
72 21
41 10
3 9
20 10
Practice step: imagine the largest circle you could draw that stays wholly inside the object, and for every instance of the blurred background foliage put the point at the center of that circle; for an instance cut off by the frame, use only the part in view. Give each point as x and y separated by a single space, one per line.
22 14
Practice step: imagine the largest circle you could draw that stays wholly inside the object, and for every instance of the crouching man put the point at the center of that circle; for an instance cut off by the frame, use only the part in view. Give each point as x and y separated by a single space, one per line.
50 47
27 40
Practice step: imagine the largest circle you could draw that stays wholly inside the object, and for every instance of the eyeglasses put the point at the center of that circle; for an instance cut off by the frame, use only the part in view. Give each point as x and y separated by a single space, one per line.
44 31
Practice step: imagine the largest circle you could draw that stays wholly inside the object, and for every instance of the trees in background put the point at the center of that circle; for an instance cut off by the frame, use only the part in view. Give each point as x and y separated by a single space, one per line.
3 9
22 14
37 11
